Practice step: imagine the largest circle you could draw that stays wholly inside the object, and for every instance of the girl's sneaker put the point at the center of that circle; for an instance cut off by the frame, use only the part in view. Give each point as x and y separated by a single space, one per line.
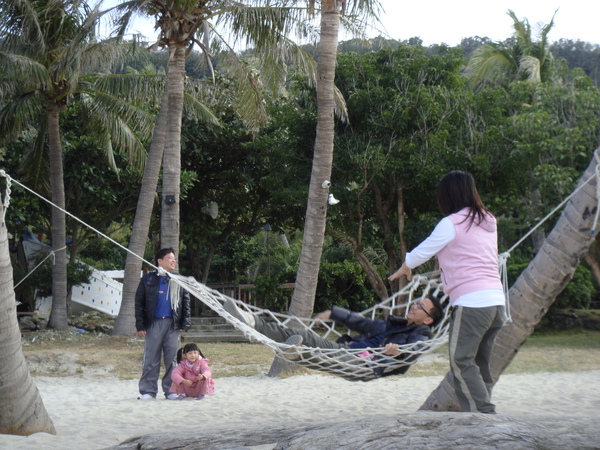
178 397
201 397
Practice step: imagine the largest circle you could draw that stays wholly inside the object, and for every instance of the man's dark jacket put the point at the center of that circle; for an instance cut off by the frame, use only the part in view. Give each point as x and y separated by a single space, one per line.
145 304
397 330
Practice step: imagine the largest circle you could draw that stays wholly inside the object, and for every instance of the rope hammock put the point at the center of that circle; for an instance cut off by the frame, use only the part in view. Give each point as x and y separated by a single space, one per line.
351 364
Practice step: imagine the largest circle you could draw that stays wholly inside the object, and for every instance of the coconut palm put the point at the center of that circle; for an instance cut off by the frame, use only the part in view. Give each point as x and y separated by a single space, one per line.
303 298
22 410
262 24
519 58
49 54
48 49
541 282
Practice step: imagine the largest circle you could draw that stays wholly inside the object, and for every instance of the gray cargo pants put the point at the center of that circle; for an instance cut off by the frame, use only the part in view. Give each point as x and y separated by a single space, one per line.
160 338
472 335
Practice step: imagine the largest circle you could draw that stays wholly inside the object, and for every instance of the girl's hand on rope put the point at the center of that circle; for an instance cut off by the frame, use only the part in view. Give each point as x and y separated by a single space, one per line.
392 350
404 270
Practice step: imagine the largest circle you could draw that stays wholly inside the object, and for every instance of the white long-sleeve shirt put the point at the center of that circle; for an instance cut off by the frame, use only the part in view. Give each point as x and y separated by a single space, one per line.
443 234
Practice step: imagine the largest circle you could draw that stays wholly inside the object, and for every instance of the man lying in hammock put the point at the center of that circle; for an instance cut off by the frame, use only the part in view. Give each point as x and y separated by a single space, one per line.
388 334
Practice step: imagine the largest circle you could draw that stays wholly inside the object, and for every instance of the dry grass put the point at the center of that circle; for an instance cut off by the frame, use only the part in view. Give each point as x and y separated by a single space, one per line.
51 353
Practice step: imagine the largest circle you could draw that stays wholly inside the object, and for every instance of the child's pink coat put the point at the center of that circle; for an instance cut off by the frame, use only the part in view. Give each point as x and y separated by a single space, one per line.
187 371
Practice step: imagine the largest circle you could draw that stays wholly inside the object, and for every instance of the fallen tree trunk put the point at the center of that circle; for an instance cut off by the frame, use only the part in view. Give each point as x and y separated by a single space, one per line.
421 430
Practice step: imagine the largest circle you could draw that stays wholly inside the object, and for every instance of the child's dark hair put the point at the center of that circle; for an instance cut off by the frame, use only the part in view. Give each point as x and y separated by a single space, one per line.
188 348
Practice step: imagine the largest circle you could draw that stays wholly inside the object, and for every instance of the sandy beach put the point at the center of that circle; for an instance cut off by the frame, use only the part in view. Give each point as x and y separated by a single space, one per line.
91 412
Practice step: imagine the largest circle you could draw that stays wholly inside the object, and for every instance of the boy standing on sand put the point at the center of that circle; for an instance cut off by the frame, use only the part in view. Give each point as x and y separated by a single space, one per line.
160 320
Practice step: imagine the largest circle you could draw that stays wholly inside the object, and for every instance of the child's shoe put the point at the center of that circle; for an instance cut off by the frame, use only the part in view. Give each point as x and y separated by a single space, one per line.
181 397
201 397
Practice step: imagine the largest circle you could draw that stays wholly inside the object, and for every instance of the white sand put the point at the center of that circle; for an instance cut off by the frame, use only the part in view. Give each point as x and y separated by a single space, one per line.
94 413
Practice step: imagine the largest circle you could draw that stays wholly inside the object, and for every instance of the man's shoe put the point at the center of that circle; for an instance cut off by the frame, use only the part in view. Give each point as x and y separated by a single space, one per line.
200 397
147 397
243 316
292 352
172 396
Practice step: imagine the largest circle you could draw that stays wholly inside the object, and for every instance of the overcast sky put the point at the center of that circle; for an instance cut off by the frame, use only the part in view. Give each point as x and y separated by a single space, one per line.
437 21
443 21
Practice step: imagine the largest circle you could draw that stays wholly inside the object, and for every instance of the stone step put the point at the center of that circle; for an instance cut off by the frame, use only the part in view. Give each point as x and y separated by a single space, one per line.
206 320
192 336
225 327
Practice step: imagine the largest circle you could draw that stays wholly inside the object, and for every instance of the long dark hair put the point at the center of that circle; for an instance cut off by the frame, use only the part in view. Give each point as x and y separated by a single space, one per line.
455 191
188 348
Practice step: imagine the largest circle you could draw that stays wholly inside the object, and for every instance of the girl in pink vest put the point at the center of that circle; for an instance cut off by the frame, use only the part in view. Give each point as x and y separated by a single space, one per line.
192 376
465 243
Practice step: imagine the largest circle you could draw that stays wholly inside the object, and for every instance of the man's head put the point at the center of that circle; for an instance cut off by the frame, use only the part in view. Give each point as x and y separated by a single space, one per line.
426 311
165 259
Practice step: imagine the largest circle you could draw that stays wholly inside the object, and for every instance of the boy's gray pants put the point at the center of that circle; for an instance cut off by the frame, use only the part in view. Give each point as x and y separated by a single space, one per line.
472 335
281 334
160 338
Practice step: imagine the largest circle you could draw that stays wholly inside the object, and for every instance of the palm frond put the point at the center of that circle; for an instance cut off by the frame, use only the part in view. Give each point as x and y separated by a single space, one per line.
491 63
263 25
531 66
26 72
143 88
35 165
108 113
197 110
19 113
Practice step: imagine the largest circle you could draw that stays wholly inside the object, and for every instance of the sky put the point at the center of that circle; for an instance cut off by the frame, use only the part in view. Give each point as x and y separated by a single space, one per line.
443 21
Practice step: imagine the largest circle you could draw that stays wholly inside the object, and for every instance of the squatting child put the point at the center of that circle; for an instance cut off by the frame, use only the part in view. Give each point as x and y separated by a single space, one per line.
192 376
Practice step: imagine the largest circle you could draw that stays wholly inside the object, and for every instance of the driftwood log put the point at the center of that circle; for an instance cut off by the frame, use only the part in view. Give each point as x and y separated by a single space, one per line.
421 430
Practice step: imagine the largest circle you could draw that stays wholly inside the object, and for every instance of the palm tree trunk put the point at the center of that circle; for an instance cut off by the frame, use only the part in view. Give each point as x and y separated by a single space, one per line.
169 223
375 280
303 299
125 323
541 282
58 315
22 410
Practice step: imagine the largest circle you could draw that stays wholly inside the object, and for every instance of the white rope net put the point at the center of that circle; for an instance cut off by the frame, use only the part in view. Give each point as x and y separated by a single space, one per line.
352 364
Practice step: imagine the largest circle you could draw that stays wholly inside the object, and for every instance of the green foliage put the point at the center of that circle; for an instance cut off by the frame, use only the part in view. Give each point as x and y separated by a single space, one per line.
342 282
271 295
78 274
579 292
579 54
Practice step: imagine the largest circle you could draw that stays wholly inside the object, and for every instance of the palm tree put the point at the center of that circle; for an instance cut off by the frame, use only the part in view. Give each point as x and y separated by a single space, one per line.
183 25
49 54
303 298
520 58
22 410
541 282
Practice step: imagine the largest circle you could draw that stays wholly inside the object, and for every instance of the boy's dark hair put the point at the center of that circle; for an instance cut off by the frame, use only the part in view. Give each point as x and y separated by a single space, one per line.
162 253
188 348
437 312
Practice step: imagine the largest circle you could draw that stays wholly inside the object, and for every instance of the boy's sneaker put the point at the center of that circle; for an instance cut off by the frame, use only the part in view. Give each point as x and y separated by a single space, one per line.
147 397
201 397
172 396
292 352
